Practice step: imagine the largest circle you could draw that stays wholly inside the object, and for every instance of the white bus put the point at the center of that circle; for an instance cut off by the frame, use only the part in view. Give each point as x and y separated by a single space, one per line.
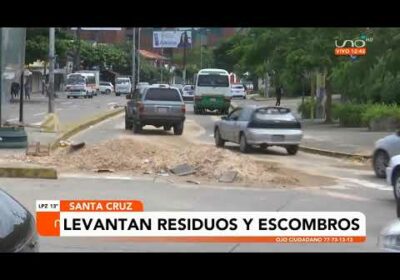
212 91
81 85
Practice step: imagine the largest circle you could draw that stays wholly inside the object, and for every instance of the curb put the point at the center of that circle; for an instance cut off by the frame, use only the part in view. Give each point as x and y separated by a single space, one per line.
326 152
28 172
79 127
333 153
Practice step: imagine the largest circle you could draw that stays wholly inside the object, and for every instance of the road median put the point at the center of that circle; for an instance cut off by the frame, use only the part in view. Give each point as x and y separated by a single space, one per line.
76 128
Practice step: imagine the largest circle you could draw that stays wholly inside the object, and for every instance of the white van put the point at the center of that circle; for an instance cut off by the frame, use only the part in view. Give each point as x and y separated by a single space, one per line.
212 91
123 85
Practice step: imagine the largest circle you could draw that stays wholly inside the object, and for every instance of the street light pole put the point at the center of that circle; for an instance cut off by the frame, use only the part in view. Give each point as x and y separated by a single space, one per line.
134 59
51 69
201 50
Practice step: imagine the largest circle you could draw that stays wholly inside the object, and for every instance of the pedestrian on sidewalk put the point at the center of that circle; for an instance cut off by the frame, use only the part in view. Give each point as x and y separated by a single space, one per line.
28 88
279 93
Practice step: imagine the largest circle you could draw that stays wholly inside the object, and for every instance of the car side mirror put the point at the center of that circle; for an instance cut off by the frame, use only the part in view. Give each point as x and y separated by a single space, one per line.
192 87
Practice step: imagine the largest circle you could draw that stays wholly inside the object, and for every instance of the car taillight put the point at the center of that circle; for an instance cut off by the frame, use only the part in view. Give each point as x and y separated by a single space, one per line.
183 109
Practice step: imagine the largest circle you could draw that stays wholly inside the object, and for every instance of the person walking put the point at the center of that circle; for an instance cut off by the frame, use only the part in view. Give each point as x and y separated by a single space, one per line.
28 88
279 93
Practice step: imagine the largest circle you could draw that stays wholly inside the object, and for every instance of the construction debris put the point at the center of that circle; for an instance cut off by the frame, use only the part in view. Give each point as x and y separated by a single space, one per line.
104 170
228 177
193 182
182 170
75 147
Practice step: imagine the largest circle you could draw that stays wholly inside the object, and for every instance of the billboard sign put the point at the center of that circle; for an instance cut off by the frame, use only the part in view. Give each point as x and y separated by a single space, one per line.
172 39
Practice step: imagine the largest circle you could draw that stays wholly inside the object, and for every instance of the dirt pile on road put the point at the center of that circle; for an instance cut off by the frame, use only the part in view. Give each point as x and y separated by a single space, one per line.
139 156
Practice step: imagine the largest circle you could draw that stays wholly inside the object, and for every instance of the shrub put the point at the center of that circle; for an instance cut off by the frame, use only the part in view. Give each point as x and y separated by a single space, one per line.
305 108
381 111
349 114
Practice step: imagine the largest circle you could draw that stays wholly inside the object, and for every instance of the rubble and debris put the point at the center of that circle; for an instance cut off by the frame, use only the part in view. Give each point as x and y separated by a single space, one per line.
75 147
156 157
183 169
193 182
104 170
228 177
63 143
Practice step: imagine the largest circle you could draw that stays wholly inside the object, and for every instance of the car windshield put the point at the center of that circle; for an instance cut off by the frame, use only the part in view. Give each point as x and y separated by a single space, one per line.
213 80
123 81
237 86
162 94
104 84
75 79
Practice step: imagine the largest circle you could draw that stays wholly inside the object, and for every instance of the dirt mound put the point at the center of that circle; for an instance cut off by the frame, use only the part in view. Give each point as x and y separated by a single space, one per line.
138 156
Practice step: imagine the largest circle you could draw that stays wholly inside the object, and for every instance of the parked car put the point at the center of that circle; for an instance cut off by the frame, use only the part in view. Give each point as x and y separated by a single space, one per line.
157 106
106 87
261 126
389 238
161 85
188 92
393 175
385 149
17 226
238 90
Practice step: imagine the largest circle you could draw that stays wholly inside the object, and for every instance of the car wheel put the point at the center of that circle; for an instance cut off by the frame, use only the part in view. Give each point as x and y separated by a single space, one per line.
380 162
219 142
178 128
117 94
68 97
108 91
292 149
167 128
396 184
136 127
244 147
244 96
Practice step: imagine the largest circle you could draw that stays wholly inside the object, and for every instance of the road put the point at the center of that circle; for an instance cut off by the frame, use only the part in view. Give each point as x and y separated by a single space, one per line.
352 187
68 110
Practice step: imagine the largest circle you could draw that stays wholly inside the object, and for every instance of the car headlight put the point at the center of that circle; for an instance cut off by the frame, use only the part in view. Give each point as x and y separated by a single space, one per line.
389 239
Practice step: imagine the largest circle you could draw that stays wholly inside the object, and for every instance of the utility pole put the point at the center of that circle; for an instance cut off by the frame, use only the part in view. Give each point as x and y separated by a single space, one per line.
78 50
201 50
51 69
138 57
134 60
184 63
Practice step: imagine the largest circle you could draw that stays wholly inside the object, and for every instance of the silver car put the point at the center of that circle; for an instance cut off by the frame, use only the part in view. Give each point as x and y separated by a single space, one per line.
262 126
385 149
156 106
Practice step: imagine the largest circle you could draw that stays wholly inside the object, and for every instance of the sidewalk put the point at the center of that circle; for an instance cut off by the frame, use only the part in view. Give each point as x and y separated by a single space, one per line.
331 137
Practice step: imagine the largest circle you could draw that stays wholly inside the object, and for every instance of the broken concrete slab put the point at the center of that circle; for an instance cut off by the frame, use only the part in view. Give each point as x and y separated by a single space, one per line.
183 169
228 177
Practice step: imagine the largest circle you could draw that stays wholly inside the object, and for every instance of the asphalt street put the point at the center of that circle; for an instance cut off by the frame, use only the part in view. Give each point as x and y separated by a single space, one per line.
354 189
